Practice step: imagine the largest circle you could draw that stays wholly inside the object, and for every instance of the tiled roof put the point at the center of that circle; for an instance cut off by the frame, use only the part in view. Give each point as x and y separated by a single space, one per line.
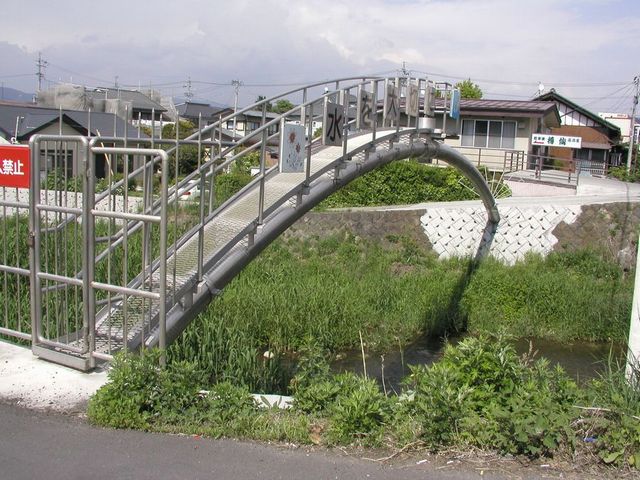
139 101
556 97
506 105
34 118
194 109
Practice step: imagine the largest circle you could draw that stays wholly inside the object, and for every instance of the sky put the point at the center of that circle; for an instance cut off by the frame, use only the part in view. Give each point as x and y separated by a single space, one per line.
586 49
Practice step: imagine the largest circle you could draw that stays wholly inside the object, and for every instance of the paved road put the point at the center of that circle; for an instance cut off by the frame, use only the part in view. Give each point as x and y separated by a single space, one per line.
36 445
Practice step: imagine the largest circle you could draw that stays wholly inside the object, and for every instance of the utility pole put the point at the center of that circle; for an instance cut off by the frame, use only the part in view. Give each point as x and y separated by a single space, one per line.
236 86
188 93
633 352
636 80
41 64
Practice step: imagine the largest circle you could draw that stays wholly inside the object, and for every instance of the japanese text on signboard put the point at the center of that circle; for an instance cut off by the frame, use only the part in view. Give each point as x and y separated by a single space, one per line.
556 141
14 166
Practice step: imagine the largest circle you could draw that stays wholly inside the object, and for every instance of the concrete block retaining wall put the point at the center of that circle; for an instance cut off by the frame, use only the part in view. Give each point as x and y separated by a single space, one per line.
457 229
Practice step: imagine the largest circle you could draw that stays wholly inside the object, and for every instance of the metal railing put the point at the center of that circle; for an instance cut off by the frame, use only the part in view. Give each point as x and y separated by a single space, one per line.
14 264
495 160
523 166
111 259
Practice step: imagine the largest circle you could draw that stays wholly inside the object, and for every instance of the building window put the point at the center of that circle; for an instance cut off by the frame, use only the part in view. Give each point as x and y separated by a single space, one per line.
488 134
61 160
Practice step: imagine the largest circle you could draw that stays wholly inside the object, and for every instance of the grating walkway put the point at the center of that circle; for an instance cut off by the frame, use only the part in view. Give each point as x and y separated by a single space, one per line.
225 231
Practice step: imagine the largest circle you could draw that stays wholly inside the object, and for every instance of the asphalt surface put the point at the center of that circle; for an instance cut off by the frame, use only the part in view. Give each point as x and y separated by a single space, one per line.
39 445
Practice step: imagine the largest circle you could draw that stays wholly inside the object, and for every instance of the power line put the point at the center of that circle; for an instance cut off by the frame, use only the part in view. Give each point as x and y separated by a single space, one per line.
524 84
73 72
17 75
622 97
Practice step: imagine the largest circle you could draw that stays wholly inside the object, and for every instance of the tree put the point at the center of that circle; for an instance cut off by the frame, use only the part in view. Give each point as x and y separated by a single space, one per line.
188 158
261 98
468 89
283 106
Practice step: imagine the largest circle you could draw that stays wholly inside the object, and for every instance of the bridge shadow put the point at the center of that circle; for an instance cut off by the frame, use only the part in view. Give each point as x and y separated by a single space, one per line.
452 320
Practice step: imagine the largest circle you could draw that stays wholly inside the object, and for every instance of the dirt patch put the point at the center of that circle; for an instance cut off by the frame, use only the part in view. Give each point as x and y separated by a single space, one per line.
382 227
611 227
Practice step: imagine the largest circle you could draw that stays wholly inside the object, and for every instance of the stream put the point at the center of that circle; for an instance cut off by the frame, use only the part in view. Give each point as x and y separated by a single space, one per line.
581 360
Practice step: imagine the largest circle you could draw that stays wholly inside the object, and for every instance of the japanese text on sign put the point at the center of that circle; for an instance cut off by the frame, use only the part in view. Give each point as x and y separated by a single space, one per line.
14 166
366 116
413 100
392 105
333 124
556 141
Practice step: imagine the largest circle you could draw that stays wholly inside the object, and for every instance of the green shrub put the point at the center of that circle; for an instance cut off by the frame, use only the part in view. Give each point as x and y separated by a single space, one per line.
226 402
228 184
130 398
482 394
312 366
613 423
359 413
621 174
405 182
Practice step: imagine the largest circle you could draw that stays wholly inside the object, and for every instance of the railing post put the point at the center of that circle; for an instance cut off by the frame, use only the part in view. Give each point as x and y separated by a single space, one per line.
163 258
202 187
398 96
345 124
34 239
375 110
88 255
263 153
309 143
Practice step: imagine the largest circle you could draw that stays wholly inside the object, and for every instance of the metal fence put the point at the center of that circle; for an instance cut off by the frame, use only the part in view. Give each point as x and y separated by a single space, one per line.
14 263
101 264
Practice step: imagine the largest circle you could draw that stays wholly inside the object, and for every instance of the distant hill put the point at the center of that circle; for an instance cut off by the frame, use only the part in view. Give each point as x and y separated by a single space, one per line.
7 93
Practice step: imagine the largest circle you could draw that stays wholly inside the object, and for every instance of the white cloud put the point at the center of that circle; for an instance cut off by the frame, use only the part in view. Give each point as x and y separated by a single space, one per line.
282 41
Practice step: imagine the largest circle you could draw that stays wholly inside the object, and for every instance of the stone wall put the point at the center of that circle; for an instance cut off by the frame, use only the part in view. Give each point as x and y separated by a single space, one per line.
458 230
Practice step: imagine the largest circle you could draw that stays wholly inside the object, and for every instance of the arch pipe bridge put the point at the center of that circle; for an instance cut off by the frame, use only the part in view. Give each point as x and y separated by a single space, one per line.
154 260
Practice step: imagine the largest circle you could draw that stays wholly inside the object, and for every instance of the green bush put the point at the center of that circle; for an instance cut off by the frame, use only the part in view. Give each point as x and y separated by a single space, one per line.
482 394
226 402
141 394
403 182
613 422
358 413
130 398
228 184
621 174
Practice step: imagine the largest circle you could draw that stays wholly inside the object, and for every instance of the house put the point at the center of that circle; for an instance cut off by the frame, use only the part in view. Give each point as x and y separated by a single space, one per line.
623 121
194 111
127 104
600 137
19 122
251 120
496 133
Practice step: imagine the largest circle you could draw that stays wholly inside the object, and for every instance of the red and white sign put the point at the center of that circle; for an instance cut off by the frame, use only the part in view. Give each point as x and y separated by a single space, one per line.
14 166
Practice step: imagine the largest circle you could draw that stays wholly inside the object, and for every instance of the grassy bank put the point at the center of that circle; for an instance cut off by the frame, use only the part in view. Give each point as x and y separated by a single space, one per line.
481 395
336 290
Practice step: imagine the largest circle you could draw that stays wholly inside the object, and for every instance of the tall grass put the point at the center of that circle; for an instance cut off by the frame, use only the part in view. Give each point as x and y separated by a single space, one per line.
336 288
568 295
